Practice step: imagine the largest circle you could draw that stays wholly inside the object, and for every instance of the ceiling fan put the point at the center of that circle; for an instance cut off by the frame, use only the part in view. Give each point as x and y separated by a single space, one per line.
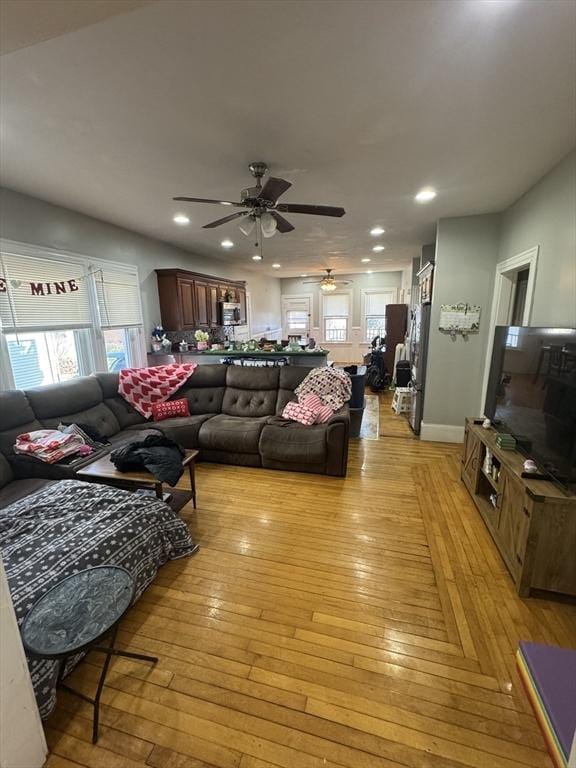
328 283
261 207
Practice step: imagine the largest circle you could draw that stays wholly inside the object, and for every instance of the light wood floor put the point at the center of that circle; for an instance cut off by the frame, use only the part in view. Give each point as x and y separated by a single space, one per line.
365 622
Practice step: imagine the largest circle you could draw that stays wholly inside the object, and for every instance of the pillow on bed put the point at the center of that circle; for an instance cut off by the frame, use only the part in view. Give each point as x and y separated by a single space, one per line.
170 409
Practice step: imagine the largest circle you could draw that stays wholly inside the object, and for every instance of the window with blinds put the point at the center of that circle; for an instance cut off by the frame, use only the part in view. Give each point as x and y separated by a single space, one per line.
118 297
375 313
336 316
43 294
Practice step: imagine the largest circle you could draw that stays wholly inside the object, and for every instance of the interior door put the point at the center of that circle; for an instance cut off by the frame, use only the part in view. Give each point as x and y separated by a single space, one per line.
296 315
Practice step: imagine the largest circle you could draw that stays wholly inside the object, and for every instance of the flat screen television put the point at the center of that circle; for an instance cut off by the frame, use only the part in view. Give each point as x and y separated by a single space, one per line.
532 395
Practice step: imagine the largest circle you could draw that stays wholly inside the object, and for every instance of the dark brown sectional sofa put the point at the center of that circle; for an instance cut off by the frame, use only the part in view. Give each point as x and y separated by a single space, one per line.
235 419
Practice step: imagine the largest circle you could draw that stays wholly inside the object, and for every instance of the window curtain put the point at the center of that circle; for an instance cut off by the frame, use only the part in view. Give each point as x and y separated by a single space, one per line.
336 305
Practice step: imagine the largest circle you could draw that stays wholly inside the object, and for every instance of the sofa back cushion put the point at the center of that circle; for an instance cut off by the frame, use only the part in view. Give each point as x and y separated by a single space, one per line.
16 416
78 400
6 474
125 414
250 391
290 377
204 390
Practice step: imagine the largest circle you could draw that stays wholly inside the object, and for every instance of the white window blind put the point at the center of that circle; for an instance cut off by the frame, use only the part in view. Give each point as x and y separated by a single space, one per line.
376 303
336 305
118 297
42 293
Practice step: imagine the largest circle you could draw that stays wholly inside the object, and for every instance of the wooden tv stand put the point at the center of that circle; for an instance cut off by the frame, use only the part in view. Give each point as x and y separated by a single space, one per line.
532 522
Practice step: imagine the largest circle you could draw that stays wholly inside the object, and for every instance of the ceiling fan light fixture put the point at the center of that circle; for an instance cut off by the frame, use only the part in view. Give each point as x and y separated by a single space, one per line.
268 225
247 225
328 286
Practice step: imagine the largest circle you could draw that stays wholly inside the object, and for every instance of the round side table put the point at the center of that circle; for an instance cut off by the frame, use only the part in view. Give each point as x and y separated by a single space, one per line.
74 616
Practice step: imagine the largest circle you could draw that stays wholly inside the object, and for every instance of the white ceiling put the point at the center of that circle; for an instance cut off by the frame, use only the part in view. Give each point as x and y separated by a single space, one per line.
356 103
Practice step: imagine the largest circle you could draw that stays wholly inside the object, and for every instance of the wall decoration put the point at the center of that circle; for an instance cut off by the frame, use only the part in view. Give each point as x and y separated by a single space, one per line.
461 318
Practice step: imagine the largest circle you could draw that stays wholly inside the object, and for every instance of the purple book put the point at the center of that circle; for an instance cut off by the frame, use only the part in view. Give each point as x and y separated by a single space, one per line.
553 670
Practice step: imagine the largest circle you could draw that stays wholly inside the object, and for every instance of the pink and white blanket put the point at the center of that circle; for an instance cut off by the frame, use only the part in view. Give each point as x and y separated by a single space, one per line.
48 445
144 387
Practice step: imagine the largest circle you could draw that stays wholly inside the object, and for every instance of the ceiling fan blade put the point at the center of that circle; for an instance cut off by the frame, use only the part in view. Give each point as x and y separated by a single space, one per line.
218 222
315 210
282 223
273 188
205 200
311 282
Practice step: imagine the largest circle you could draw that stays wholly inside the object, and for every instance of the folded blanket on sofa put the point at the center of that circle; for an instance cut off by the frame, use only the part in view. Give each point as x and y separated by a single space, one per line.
48 445
143 387
333 386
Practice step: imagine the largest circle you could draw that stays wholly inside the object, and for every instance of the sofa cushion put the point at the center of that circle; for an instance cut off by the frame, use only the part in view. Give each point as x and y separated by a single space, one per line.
131 435
234 434
6 473
16 417
19 488
250 392
204 390
73 396
99 416
294 443
125 414
184 429
290 377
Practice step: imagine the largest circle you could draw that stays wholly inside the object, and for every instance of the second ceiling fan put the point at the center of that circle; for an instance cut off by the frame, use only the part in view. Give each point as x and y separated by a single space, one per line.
261 207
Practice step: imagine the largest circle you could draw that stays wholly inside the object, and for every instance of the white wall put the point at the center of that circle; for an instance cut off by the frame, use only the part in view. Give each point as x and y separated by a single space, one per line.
22 742
353 350
546 216
466 254
30 220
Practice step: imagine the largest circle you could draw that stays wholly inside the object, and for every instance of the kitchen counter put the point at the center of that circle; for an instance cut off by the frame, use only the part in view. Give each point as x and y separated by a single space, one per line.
312 359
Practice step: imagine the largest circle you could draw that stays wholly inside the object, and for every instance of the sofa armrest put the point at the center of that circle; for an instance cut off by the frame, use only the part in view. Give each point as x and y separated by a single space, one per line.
342 414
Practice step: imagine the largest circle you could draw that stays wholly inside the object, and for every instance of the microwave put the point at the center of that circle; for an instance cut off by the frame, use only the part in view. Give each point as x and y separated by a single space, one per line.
229 313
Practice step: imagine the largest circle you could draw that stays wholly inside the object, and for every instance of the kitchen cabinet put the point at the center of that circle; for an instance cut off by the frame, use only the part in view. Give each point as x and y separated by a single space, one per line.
190 300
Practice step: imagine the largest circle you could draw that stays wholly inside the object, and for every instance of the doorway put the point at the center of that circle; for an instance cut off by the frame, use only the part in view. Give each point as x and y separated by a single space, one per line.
512 300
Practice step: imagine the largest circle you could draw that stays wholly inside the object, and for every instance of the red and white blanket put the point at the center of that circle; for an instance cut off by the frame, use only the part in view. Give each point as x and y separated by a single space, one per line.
48 445
144 387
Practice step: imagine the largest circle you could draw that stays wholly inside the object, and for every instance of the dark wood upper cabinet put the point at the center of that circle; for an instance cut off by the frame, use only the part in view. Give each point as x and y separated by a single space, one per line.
190 300
201 297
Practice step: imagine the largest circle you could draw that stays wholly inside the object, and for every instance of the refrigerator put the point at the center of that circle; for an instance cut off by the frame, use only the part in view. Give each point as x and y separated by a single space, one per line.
419 336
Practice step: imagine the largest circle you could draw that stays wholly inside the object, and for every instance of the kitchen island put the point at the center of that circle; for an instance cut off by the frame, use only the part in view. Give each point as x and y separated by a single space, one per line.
312 359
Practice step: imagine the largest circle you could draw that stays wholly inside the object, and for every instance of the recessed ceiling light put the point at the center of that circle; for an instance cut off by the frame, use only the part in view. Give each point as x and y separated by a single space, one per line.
365 261
425 195
181 218
303 275
256 257
225 202
276 266
375 231
378 248
368 271
227 244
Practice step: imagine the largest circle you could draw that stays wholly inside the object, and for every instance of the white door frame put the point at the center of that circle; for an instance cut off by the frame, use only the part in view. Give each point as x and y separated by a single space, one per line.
285 299
503 301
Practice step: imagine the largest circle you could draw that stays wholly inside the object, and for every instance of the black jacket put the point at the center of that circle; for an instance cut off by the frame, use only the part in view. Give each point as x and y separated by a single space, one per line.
156 453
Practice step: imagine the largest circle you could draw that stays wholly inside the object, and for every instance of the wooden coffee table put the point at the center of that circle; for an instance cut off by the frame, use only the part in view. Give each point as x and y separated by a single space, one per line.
103 471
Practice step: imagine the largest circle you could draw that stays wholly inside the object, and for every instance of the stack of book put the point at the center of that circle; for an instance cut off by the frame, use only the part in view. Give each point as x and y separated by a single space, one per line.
506 442
549 677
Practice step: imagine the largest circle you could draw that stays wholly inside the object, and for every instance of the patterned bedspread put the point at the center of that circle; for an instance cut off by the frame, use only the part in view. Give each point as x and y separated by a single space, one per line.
74 525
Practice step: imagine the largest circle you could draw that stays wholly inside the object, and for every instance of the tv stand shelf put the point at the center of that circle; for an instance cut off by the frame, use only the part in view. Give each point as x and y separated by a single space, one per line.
532 522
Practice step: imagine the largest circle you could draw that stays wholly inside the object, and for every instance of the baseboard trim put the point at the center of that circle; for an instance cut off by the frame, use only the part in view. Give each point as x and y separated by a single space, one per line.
441 433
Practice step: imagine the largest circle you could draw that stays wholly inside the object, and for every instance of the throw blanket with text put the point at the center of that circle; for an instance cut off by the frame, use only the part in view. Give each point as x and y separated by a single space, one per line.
144 387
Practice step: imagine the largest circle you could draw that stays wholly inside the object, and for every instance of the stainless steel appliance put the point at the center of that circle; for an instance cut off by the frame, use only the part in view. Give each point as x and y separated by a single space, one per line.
419 336
230 313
